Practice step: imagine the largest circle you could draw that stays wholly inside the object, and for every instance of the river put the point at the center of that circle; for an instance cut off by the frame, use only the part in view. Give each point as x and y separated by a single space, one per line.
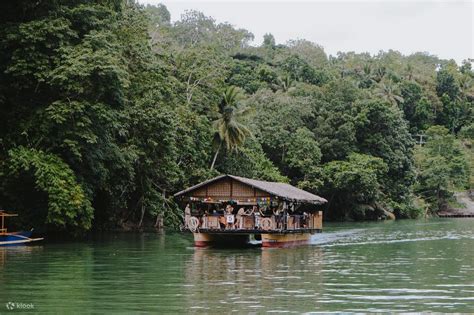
401 266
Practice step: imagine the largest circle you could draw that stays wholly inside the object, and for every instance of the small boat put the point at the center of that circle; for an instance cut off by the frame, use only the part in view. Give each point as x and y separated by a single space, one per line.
14 238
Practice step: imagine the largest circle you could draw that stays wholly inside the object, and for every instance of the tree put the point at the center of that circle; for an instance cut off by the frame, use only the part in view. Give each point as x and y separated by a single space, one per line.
299 70
201 73
303 156
269 41
354 186
334 126
118 106
228 129
446 84
303 150
250 161
310 52
441 168
382 132
389 92
196 29
68 206
434 182
285 83
76 81
277 117
417 108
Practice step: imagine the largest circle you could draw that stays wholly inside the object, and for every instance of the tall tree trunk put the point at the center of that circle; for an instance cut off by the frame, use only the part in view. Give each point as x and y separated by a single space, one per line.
215 155
142 215
159 221
159 216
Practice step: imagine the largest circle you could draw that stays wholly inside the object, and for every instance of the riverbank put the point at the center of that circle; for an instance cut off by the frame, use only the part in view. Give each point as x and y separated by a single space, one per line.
465 208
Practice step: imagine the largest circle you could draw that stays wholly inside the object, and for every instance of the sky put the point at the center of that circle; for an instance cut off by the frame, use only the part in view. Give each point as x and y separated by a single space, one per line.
442 28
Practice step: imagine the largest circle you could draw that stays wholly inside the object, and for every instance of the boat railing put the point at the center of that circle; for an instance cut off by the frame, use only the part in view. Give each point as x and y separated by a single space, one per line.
254 222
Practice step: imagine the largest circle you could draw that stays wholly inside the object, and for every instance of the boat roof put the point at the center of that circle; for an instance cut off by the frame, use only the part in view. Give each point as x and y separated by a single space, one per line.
282 190
4 214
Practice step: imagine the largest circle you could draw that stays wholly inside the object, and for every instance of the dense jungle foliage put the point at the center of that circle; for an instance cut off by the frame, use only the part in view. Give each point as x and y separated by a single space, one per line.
107 108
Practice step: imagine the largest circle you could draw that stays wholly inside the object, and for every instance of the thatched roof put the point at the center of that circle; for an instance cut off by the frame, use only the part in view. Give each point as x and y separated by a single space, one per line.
281 190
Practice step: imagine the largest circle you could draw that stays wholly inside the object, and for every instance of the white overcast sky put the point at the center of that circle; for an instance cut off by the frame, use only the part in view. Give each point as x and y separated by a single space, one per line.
442 28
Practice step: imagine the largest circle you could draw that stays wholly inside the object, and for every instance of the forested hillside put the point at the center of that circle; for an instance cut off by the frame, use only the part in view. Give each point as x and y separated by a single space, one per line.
107 108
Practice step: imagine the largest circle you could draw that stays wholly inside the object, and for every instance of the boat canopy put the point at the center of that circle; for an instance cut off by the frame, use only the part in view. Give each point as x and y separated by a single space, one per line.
230 187
3 215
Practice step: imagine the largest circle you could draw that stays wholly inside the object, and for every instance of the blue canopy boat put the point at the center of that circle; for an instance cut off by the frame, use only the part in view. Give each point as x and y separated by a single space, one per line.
14 238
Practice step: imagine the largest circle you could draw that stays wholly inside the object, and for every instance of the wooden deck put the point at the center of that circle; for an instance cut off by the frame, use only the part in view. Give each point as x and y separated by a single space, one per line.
252 225
258 231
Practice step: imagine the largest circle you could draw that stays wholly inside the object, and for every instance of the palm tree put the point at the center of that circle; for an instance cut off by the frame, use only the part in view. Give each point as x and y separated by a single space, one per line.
364 79
285 83
228 129
466 88
367 69
389 92
379 74
409 72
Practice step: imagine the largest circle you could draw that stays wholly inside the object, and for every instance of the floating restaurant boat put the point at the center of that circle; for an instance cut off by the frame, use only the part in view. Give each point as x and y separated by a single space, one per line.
231 210
14 238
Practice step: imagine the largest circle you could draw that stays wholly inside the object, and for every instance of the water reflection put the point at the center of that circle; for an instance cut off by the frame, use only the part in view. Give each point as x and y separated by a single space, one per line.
17 252
230 280
10 258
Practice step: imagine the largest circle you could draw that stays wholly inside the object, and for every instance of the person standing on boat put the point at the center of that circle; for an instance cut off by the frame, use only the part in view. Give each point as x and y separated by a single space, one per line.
229 217
277 212
205 219
305 218
256 217
257 214
187 215
240 217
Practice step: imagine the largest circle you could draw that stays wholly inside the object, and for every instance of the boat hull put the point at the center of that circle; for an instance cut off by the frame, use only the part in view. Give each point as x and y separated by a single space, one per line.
203 239
17 238
224 240
285 239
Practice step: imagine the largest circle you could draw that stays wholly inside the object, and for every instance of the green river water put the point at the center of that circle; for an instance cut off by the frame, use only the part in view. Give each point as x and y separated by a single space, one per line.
401 266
